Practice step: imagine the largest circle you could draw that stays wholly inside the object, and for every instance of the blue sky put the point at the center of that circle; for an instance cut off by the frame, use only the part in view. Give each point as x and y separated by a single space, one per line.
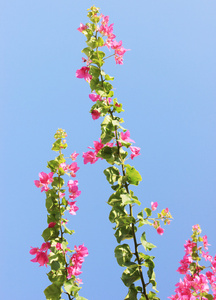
167 87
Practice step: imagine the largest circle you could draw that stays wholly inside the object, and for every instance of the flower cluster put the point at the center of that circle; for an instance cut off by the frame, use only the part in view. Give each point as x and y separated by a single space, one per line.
41 254
76 261
196 285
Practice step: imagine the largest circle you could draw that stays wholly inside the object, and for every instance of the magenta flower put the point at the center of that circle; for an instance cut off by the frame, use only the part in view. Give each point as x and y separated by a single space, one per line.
135 151
95 114
95 97
89 157
74 155
52 224
44 180
84 73
82 27
73 189
41 254
160 230
154 205
58 246
73 208
126 137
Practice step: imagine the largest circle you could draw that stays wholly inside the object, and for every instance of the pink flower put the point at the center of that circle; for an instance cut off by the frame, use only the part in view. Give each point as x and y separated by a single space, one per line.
135 151
44 180
58 246
73 208
73 169
154 205
74 155
126 137
205 242
95 114
61 195
73 189
95 97
160 230
52 224
81 250
79 281
116 45
82 27
41 254
90 157
84 73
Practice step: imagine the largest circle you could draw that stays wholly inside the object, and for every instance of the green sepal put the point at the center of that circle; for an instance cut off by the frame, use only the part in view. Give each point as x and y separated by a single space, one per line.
130 275
124 232
112 174
123 254
133 175
146 245
50 234
53 292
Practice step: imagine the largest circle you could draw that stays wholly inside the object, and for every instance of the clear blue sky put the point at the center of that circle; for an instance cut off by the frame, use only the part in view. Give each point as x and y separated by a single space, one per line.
167 87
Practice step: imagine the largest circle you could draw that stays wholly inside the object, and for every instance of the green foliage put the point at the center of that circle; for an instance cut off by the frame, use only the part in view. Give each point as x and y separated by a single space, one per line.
146 245
130 275
112 174
133 176
53 292
123 254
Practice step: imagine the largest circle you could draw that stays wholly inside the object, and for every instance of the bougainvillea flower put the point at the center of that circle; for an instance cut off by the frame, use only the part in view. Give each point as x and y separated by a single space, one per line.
160 230
73 208
135 151
74 155
125 136
82 27
73 189
95 97
52 224
89 157
154 205
81 250
41 254
44 180
58 246
84 73
95 114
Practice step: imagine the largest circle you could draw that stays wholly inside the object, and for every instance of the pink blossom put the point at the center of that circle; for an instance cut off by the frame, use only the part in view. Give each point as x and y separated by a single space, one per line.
90 157
41 254
160 230
135 151
44 180
73 208
74 155
52 224
116 45
126 137
154 205
58 246
82 27
119 60
73 189
81 250
205 242
61 195
73 169
95 97
79 281
84 73
95 114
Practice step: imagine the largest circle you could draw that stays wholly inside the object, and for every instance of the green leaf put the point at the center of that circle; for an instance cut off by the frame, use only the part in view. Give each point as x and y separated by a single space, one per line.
124 232
93 83
88 51
53 292
123 254
107 77
55 265
115 198
71 287
100 42
130 275
92 42
112 174
116 212
58 182
49 234
124 220
108 153
132 294
80 298
94 71
151 296
209 296
146 245
133 175
148 211
53 165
